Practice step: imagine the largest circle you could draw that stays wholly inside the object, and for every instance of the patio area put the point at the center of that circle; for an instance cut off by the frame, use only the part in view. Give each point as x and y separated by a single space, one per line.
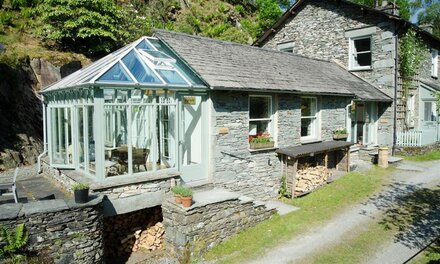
31 186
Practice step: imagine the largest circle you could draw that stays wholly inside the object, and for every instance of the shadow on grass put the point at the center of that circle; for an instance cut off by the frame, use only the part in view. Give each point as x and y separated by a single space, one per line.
412 210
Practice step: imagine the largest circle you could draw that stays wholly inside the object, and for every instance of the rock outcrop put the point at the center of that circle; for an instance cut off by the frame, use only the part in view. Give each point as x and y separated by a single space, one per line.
21 124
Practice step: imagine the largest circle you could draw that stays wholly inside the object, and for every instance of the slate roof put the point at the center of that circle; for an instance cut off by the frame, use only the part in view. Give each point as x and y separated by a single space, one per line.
231 66
430 84
316 148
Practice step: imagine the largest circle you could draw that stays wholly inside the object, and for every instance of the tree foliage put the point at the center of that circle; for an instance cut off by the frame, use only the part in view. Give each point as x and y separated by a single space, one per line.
428 12
411 51
404 6
93 27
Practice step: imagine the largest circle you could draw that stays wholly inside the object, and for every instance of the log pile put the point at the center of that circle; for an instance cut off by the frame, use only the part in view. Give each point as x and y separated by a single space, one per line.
138 231
309 178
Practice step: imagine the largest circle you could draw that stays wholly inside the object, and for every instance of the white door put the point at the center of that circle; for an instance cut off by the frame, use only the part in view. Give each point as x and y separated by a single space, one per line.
193 141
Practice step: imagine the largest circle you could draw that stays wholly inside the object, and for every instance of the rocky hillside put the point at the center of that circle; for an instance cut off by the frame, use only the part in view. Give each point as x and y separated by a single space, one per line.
41 41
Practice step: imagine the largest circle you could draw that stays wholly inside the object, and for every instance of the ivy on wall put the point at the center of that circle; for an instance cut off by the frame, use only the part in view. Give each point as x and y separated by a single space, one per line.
411 56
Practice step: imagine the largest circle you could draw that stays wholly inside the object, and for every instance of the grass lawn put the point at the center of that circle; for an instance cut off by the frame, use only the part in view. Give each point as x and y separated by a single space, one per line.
395 224
433 155
316 208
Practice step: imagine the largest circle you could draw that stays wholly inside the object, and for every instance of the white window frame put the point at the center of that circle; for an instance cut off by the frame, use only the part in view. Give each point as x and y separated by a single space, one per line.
434 66
315 135
352 53
270 118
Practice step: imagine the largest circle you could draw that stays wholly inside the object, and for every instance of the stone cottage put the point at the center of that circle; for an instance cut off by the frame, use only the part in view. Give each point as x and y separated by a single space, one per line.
176 106
365 41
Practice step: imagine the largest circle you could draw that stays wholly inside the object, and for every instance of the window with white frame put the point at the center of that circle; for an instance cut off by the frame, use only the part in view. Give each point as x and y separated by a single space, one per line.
309 118
260 116
430 111
360 53
285 47
434 67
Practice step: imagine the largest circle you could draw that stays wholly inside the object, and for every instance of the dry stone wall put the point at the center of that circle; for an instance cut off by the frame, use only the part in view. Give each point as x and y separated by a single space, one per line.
68 232
204 225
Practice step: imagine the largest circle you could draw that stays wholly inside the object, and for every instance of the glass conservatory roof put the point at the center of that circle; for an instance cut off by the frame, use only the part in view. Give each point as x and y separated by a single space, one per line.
147 62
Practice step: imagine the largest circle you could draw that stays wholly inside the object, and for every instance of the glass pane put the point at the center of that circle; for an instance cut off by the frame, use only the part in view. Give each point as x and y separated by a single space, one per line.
192 133
141 73
171 77
81 155
61 136
142 133
362 44
91 139
258 128
308 107
259 107
363 59
430 113
116 150
306 127
115 74
144 45
158 54
167 134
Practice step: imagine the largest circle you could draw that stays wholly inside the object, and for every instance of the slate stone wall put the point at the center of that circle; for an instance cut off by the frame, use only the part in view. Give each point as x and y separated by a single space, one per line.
318 31
67 232
257 173
206 226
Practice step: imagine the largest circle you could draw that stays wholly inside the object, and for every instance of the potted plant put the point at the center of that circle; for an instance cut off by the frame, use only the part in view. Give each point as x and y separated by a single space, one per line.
340 134
81 192
261 141
177 196
186 194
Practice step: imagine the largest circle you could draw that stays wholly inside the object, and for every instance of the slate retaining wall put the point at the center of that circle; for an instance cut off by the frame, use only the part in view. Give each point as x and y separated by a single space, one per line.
66 231
206 225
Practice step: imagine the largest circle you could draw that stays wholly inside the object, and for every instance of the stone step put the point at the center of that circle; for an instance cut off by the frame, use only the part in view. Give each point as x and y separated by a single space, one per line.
282 208
393 159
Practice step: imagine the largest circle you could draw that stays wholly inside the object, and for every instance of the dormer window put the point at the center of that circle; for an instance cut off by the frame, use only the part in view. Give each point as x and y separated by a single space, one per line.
360 53
434 67
285 47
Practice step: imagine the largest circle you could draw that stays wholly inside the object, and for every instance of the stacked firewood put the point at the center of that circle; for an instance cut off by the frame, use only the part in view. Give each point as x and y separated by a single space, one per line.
136 231
309 178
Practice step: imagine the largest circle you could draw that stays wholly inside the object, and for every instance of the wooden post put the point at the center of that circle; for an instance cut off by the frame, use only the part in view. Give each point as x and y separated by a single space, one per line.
326 159
295 169
348 159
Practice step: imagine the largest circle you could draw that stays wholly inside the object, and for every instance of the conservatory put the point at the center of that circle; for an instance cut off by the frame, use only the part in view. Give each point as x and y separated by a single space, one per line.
138 110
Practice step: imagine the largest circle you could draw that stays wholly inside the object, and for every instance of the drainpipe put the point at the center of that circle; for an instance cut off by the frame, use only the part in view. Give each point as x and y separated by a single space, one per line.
347 120
44 136
396 71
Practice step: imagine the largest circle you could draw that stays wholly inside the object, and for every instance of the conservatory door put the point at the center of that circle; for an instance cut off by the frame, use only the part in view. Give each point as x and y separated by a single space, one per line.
193 143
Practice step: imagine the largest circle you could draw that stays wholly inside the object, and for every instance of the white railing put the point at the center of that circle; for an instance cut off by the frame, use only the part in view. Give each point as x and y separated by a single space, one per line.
411 138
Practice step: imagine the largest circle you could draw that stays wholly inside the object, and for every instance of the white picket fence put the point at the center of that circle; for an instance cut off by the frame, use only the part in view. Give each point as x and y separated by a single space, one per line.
411 138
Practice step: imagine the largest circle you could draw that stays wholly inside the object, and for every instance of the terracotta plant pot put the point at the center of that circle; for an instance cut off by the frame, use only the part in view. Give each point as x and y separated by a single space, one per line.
81 196
178 199
186 201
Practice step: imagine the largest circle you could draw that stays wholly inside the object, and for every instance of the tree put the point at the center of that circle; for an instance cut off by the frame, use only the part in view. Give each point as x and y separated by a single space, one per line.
93 27
404 6
428 12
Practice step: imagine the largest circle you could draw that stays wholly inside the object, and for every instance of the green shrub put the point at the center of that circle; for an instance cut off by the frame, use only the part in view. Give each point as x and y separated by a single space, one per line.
6 18
91 27
177 189
80 186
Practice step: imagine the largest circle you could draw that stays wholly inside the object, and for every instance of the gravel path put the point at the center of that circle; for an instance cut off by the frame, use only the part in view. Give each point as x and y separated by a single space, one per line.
404 182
